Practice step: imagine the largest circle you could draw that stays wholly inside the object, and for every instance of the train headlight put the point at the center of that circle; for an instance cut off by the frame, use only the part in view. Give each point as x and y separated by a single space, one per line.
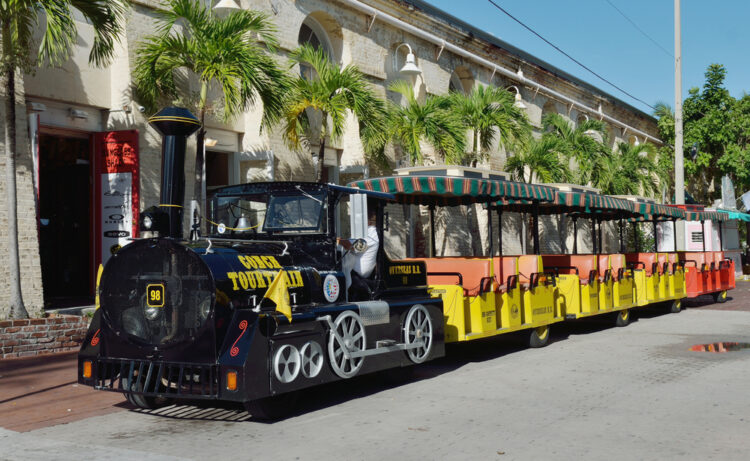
151 312
205 308
147 222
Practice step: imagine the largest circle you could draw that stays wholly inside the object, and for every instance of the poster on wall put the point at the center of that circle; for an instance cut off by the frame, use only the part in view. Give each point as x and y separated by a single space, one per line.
117 191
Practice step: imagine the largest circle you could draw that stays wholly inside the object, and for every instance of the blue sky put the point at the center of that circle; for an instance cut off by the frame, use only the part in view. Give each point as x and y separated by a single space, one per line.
594 32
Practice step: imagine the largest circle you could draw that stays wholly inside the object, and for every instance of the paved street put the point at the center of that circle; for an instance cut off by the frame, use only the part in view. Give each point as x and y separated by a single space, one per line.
595 392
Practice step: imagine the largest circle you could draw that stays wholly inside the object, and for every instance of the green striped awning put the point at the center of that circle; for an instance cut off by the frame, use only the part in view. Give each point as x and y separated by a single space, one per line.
593 203
736 215
451 190
657 212
706 216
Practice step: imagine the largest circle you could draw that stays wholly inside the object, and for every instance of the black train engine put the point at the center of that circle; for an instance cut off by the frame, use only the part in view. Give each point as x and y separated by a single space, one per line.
194 319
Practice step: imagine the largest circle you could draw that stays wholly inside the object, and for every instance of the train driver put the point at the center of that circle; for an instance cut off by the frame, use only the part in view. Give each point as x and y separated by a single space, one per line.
358 267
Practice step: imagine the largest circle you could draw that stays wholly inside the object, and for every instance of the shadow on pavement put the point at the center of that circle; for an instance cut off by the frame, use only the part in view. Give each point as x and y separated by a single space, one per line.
457 356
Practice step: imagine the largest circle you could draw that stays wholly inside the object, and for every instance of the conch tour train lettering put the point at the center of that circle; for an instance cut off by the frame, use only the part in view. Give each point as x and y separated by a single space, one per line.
250 280
255 306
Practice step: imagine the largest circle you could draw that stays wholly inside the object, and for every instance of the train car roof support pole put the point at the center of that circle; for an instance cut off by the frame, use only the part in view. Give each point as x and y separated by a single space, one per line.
500 230
575 235
432 231
674 233
622 241
489 228
537 250
703 234
635 238
593 234
601 241
721 244
656 237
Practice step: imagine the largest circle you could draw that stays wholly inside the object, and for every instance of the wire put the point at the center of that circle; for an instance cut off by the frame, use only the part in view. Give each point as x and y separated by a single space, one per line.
639 29
567 55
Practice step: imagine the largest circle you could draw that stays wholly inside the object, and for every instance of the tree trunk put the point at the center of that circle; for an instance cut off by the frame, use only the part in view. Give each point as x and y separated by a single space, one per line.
200 149
199 165
17 308
319 176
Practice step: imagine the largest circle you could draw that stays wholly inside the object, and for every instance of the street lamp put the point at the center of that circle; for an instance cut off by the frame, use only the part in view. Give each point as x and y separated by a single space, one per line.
410 66
519 101
228 5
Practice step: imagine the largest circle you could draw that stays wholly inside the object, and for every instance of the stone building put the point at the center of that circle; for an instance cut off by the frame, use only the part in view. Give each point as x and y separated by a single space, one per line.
71 118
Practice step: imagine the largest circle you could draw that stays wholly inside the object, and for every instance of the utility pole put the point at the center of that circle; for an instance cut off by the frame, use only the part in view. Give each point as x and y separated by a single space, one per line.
679 167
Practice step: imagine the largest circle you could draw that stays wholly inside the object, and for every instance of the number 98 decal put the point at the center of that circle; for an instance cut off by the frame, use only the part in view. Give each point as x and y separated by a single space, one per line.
155 295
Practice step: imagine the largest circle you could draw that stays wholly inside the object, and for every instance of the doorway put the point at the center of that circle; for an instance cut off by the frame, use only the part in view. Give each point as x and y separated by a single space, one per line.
65 236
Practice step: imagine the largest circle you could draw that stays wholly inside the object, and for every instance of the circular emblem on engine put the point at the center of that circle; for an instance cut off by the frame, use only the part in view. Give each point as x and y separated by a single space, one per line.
514 310
331 288
221 228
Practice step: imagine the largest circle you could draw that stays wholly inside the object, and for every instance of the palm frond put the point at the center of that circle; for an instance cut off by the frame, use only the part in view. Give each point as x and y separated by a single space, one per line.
222 52
488 112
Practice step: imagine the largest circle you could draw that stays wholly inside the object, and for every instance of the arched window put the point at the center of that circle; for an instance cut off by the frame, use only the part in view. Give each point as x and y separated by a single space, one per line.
312 33
549 108
461 80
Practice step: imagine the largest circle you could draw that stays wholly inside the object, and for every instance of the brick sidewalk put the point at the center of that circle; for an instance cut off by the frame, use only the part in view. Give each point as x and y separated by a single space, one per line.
42 391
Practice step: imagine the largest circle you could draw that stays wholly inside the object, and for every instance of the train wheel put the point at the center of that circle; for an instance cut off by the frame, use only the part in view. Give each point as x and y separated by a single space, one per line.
539 336
676 306
272 408
720 297
418 327
348 336
141 401
623 318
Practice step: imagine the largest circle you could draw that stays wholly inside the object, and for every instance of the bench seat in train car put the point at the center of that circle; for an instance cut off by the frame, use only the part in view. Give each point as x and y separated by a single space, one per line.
604 272
718 274
466 287
508 299
727 272
670 275
538 290
678 276
578 283
698 276
724 275
662 267
646 277
715 258
487 307
622 286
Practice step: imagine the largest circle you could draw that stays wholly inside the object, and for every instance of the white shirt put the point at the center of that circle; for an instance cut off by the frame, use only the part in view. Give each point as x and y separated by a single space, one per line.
365 263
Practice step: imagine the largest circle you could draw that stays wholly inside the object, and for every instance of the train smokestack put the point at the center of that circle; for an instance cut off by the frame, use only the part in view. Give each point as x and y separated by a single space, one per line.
175 124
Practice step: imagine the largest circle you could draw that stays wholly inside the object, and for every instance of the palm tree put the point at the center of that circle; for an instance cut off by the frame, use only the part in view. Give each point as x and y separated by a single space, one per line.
330 94
586 143
20 21
543 160
489 112
431 122
228 53
633 171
